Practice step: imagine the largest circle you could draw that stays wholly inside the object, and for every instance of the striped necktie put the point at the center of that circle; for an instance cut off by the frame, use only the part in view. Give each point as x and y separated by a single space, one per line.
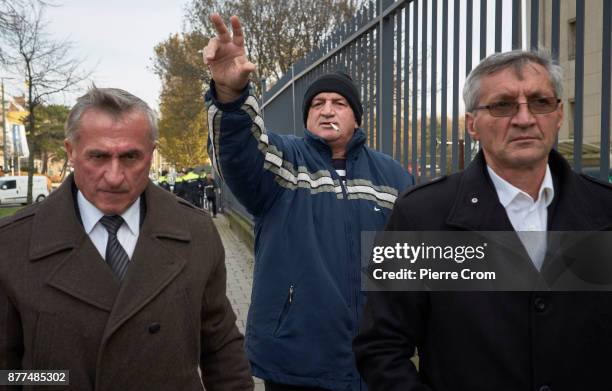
116 257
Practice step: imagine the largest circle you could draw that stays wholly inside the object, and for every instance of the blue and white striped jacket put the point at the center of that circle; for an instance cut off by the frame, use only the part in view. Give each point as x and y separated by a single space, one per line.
306 297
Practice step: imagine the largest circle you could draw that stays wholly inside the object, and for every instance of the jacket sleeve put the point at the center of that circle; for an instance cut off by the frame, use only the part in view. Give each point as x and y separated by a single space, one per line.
223 360
391 328
246 157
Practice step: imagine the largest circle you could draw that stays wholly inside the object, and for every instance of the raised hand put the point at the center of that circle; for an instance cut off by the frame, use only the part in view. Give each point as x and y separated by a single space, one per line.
226 59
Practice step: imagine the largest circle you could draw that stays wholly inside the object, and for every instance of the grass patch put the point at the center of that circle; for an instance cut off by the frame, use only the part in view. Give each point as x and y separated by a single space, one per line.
8 211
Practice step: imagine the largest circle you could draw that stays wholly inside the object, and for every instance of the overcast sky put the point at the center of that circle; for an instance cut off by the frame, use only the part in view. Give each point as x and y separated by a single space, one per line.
116 38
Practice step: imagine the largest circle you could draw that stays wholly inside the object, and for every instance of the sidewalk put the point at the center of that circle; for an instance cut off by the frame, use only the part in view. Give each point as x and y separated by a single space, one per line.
239 264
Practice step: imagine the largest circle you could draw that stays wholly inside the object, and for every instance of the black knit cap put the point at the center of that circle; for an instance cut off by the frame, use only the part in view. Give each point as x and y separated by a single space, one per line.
340 83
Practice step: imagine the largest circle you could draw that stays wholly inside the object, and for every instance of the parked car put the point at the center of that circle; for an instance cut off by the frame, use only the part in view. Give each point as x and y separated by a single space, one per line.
14 189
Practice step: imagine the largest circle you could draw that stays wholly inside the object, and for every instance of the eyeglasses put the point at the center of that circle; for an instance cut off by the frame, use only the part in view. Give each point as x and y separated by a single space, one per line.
509 109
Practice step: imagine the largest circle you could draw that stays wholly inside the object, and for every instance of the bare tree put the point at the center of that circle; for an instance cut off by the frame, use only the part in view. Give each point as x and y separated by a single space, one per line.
9 8
278 32
46 64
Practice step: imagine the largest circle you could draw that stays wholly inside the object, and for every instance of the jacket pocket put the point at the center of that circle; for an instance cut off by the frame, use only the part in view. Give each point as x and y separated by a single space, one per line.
285 311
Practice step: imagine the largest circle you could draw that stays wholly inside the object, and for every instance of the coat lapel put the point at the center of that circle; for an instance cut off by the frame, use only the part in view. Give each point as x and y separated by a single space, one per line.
81 273
579 213
574 199
153 266
477 208
84 275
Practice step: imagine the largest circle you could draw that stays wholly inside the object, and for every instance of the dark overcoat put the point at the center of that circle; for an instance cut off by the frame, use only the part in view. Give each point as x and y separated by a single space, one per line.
61 306
514 341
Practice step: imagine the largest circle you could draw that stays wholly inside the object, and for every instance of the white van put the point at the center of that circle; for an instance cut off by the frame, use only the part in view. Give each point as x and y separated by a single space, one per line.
14 189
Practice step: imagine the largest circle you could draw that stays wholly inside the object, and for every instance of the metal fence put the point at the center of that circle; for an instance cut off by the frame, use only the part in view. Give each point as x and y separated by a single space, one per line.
409 60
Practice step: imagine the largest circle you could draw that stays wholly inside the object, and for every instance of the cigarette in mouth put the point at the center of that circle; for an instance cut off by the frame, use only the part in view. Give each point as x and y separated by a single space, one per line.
337 129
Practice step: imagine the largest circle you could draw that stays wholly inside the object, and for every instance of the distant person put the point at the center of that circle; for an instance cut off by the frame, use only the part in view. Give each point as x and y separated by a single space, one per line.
180 188
201 184
210 189
311 198
112 278
163 180
190 182
503 341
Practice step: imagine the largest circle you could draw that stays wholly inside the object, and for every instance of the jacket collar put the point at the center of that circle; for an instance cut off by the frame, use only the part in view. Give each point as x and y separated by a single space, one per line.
572 208
477 207
352 149
59 207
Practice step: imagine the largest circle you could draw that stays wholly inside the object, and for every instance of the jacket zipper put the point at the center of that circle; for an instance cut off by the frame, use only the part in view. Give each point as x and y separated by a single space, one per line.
285 310
353 288
347 227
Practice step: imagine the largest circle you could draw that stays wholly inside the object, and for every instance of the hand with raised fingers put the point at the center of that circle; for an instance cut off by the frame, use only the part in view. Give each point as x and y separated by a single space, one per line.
226 59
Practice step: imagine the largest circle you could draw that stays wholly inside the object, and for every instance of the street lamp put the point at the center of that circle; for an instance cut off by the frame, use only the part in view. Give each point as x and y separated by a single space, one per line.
4 149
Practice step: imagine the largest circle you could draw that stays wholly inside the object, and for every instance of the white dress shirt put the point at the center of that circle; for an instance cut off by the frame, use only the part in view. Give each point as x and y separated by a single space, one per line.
127 234
525 214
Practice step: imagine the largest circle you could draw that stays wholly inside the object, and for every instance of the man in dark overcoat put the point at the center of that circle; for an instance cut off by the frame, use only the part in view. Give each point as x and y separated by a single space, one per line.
112 278
513 341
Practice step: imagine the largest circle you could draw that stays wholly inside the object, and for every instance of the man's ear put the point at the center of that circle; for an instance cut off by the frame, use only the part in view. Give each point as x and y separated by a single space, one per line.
69 149
469 124
561 113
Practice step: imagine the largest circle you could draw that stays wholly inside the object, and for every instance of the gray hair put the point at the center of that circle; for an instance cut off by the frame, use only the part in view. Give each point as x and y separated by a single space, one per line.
111 100
516 59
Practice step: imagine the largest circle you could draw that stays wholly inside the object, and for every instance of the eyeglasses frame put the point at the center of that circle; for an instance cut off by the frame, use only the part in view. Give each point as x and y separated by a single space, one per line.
516 107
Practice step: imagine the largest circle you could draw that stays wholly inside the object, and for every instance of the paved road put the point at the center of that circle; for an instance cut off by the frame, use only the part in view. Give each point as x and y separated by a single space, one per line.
239 264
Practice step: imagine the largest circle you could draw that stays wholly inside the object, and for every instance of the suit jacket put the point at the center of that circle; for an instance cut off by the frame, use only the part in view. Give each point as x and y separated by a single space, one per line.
61 306
474 341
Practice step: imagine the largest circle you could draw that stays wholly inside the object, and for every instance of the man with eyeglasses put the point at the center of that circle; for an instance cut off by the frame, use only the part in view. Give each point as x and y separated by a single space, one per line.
517 182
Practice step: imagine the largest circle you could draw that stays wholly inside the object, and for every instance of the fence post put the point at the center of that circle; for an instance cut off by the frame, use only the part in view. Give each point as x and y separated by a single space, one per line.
467 146
295 112
604 163
385 84
579 85
423 163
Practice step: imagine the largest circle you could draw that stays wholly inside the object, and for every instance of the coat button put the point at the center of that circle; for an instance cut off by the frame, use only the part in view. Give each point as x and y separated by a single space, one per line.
545 388
540 306
154 328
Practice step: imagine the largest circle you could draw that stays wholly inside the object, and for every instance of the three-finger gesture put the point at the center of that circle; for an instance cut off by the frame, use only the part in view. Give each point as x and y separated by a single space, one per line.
226 59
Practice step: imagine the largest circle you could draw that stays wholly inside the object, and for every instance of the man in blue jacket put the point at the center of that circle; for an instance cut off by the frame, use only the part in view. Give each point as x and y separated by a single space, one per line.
311 198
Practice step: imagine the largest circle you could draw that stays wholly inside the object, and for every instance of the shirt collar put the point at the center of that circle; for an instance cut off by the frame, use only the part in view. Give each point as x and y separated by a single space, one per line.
508 192
92 215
